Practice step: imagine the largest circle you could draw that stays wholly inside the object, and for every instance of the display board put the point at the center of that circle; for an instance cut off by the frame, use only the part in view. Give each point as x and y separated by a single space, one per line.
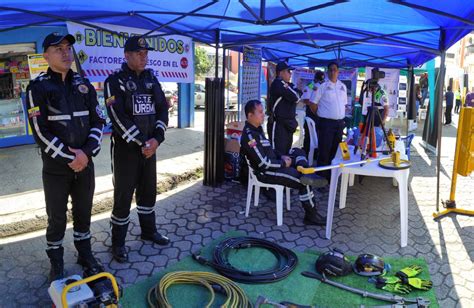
250 80
302 76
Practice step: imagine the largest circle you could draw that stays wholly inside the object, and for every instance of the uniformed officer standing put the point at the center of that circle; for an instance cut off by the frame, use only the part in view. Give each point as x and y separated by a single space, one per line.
273 168
308 97
139 113
283 100
331 99
67 124
381 103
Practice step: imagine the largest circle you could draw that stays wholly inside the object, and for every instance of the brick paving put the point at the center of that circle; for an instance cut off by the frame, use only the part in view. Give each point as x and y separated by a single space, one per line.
193 215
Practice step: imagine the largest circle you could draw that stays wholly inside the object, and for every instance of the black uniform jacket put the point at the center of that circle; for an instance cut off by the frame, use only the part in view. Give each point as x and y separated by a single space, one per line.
136 105
64 114
283 99
258 149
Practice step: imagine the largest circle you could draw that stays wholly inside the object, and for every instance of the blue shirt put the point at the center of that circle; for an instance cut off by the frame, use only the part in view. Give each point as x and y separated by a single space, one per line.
449 98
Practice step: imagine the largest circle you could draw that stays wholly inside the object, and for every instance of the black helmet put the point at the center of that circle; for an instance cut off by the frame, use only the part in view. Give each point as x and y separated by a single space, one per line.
333 263
369 265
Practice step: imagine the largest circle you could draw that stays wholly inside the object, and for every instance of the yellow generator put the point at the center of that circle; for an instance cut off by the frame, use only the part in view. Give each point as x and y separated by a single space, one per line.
466 151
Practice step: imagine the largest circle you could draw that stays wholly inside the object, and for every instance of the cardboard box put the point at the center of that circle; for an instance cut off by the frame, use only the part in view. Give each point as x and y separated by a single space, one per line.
232 145
234 129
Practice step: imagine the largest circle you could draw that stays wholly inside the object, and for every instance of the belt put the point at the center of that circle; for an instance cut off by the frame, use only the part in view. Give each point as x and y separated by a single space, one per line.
332 120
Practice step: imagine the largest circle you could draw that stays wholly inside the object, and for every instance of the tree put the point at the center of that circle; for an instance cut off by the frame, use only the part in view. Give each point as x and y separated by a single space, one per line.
201 62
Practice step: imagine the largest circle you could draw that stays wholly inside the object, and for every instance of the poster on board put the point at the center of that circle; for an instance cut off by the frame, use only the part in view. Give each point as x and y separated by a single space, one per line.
100 52
390 85
251 70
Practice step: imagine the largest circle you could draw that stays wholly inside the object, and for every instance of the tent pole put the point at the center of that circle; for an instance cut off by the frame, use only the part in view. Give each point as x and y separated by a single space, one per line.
433 11
262 9
410 97
180 17
440 116
306 10
216 72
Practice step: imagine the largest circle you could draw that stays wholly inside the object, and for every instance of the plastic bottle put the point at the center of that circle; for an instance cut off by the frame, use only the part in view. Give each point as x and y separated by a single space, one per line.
391 139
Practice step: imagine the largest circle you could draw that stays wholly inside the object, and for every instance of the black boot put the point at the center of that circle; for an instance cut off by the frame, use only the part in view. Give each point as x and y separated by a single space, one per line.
313 180
57 264
149 232
86 259
311 216
119 252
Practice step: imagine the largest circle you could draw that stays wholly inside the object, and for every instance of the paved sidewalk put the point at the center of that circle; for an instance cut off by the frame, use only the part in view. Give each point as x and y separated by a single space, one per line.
193 215
22 198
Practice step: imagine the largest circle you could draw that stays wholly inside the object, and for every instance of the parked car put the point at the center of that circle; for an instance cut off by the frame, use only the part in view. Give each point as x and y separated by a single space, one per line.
200 96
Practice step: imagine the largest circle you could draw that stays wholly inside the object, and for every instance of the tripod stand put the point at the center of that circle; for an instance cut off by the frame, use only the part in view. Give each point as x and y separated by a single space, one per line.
367 142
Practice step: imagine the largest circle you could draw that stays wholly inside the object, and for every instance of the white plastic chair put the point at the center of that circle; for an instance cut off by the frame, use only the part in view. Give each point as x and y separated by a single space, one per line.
313 137
254 182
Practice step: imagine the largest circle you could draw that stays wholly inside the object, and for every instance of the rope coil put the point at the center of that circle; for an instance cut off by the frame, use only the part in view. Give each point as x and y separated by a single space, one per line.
236 297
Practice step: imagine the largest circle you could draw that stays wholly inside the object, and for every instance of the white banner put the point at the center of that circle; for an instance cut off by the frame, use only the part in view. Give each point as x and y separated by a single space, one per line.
390 86
101 52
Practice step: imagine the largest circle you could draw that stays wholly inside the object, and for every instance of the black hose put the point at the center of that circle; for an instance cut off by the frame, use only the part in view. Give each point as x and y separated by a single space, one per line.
287 260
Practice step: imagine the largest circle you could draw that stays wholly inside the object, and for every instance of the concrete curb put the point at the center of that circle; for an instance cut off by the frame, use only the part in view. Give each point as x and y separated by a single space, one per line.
103 201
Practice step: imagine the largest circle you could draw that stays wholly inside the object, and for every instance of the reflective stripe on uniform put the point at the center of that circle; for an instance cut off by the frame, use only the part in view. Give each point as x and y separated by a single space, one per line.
80 113
145 210
284 175
60 117
43 138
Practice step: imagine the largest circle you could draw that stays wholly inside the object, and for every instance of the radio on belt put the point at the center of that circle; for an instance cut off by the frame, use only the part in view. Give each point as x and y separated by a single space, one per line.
76 296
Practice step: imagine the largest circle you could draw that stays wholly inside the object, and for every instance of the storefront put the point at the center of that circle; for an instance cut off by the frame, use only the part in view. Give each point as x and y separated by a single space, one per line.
15 74
14 78
19 63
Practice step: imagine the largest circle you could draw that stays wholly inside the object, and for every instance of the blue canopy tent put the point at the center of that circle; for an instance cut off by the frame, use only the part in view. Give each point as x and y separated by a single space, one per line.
392 33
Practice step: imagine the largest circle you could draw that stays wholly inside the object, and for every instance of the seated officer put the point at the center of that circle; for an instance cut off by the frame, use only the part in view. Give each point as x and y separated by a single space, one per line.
272 168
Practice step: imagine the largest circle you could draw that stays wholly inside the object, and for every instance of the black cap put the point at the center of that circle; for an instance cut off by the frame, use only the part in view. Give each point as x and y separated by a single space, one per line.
137 43
319 75
56 38
283 66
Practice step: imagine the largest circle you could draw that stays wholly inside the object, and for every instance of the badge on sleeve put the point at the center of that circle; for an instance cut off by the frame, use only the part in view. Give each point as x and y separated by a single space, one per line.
252 143
110 101
83 88
131 86
100 112
34 112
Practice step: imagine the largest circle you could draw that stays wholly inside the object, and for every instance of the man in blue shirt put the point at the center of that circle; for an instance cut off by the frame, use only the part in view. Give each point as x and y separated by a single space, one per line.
449 96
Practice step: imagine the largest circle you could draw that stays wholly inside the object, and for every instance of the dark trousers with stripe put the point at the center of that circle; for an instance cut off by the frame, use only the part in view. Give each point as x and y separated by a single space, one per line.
329 136
282 135
58 186
132 172
289 176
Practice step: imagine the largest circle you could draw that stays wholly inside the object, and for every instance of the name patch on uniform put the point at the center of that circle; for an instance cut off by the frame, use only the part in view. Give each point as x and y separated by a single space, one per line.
34 112
265 143
252 143
110 100
143 104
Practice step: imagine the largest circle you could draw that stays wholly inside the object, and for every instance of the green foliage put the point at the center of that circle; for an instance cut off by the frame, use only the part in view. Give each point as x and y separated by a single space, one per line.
201 62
